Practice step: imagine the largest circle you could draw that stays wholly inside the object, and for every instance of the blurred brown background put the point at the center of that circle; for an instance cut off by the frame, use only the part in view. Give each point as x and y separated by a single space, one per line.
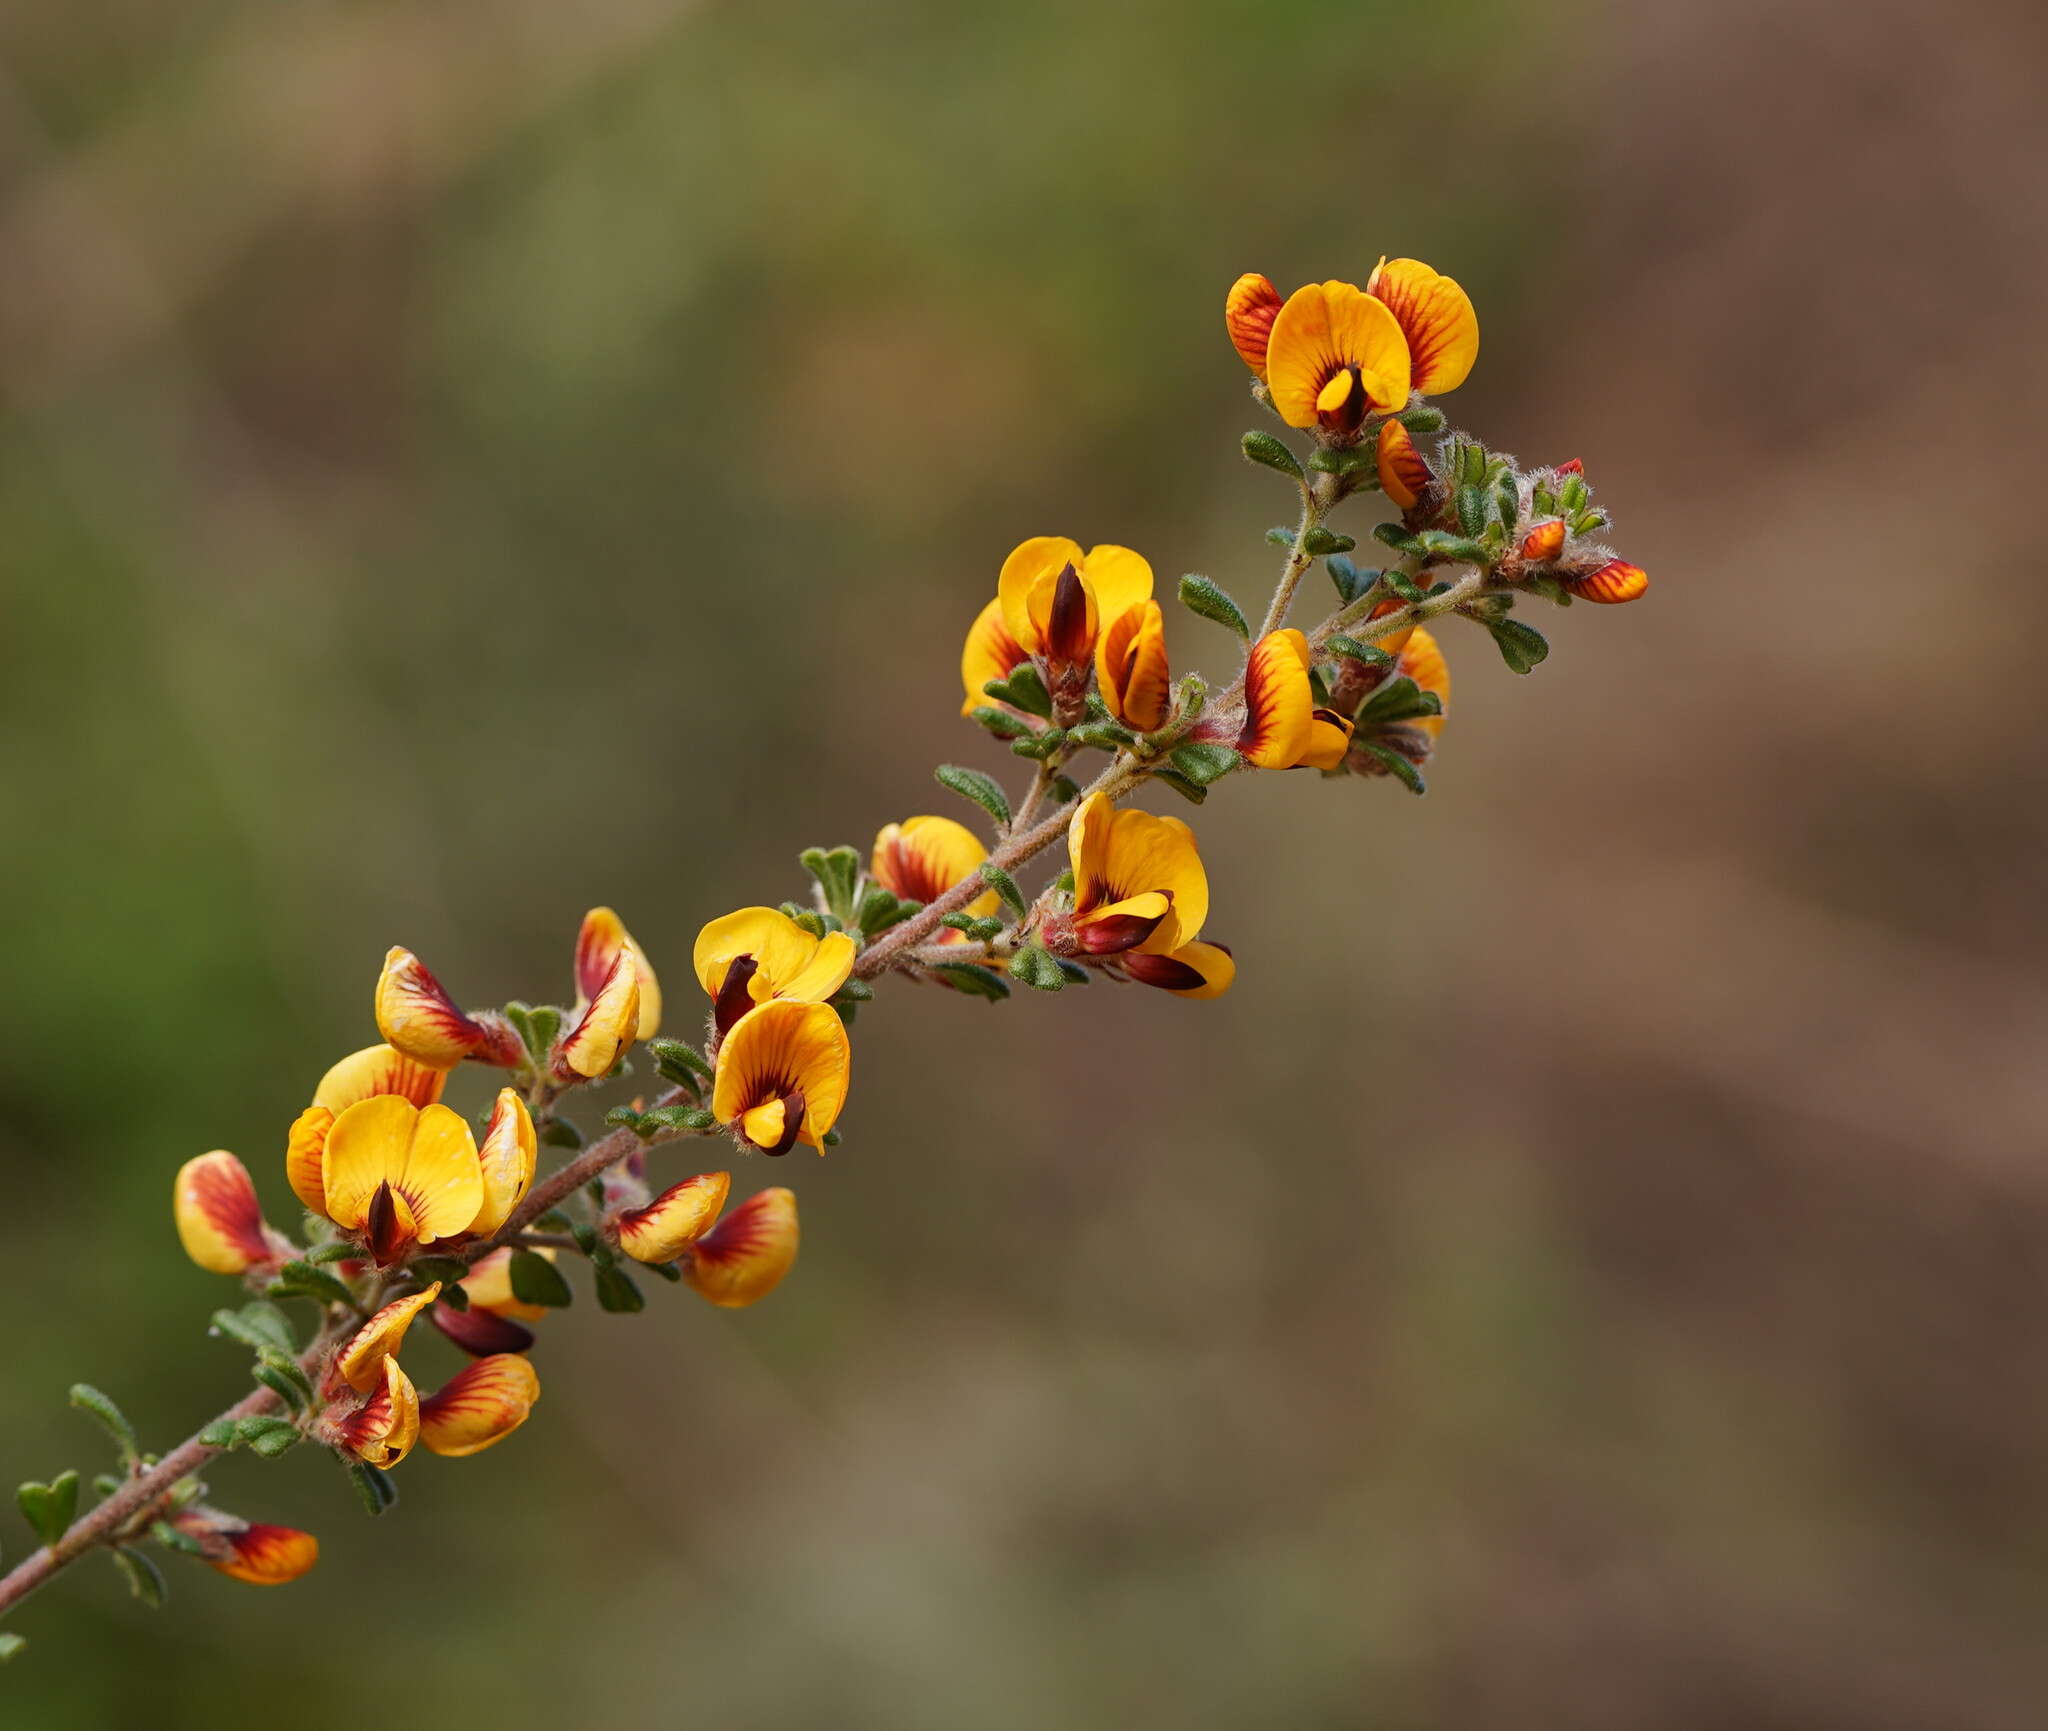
466 461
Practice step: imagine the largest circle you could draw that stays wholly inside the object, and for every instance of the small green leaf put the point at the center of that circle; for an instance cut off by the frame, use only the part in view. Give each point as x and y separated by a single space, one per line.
281 1385
1521 646
300 1279
1399 699
1036 968
334 1250
1359 459
1319 543
1353 650
221 1434
1005 886
1403 771
838 874
1203 763
145 1579
1024 689
1109 736
1350 581
879 910
1439 545
1398 581
681 1062
1065 790
536 1280
1040 746
699 1119
546 1021
1192 791
973 978
1075 973
1395 536
1471 509
1268 452
971 784
373 1486
454 1297
1000 722
1423 420
11 1644
617 1293
268 1437
49 1508
172 1540
89 1399
625 1118
1200 596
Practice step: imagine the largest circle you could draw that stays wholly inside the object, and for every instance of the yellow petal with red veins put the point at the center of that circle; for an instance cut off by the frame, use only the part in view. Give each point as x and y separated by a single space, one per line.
1544 542
990 653
383 1429
1404 476
1436 317
1130 667
480 1405
593 1045
598 943
675 1219
1248 312
379 1070
489 1286
362 1361
1324 329
1422 660
779 1048
1615 582
304 1146
508 1155
268 1556
923 857
419 1018
1279 706
426 1155
220 1221
1031 569
745 1256
1192 971
1119 855
789 962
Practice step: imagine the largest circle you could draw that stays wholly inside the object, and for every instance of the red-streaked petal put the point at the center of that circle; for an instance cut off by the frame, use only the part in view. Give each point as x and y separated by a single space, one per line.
598 944
1278 702
1248 312
480 1405
507 1156
220 1222
1404 476
1544 542
675 1219
593 1046
1436 317
415 1015
362 1361
383 1429
1613 583
745 1256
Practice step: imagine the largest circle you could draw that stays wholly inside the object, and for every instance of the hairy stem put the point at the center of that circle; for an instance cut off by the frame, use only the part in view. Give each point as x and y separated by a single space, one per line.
1299 559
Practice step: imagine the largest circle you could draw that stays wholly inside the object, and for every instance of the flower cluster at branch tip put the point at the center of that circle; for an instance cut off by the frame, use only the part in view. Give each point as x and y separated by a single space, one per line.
413 1209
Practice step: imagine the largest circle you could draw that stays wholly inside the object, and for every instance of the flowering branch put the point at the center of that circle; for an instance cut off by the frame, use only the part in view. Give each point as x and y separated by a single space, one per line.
411 1210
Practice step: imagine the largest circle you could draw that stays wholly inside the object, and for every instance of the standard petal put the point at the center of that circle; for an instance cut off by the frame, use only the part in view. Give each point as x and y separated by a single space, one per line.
675 1219
1159 853
608 1023
1032 565
1130 666
482 1404
989 653
781 949
362 1361
220 1221
379 1070
923 857
1404 476
1248 312
1088 850
1321 331
304 1146
427 1157
599 941
419 1018
383 1429
745 1256
1436 317
780 1048
1119 578
507 1156
1279 706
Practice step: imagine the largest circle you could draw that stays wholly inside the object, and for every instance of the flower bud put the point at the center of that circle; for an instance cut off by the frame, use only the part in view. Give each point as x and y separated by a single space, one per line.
1611 584
745 1256
1543 543
674 1220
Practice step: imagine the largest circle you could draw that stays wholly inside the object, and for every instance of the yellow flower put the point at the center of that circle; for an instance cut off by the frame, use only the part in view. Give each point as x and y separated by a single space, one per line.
1283 727
921 858
674 1220
758 954
417 1016
781 1075
744 1257
481 1404
252 1551
1192 971
599 944
381 1430
1138 880
402 1175
361 1362
1130 667
360 1076
1055 599
220 1222
1327 360
990 653
608 1020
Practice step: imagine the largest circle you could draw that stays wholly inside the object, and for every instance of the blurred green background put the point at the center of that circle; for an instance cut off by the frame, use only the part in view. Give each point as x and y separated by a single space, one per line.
467 461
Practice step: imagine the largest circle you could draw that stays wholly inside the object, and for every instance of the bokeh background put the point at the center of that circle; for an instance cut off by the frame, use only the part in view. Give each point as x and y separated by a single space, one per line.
465 461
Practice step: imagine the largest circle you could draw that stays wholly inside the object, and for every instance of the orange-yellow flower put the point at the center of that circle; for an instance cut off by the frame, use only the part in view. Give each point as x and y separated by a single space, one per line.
674 1220
252 1551
1130 667
381 1430
744 1257
1138 881
402 1175
220 1222
599 944
360 1076
782 1075
1192 971
1611 583
1055 599
1328 360
416 1015
361 1363
921 858
757 954
1544 542
482 1404
1283 727
990 653
608 1020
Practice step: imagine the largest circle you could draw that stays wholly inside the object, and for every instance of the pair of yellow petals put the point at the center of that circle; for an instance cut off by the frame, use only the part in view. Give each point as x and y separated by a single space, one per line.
479 1406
